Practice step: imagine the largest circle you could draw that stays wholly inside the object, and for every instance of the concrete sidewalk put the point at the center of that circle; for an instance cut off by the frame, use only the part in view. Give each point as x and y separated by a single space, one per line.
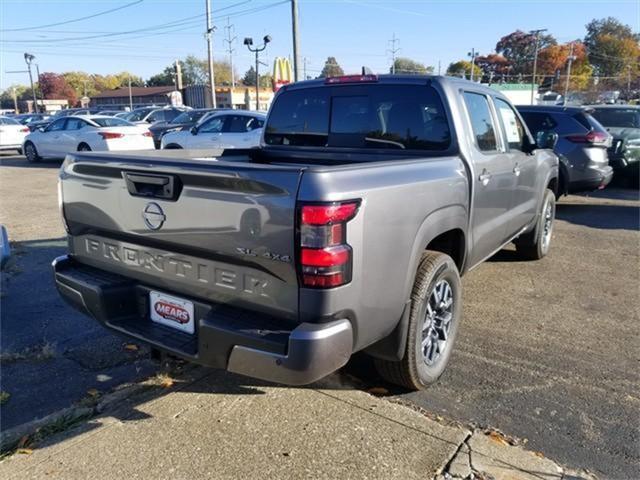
211 424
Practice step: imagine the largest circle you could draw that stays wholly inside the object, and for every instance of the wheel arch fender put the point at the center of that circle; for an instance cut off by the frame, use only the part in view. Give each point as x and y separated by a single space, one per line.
437 223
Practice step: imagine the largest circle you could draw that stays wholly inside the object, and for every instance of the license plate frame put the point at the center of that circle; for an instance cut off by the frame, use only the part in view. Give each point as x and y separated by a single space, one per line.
172 311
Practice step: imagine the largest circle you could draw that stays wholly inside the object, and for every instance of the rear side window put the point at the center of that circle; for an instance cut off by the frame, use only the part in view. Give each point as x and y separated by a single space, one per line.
111 122
407 117
238 123
482 125
588 122
539 121
620 118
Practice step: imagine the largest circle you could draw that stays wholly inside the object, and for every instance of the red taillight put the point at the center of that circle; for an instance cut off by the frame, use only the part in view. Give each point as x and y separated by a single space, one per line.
325 257
110 135
25 130
352 79
147 134
591 137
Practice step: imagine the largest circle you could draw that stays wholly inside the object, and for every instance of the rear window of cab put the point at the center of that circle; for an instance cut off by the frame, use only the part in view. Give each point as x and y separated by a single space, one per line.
398 117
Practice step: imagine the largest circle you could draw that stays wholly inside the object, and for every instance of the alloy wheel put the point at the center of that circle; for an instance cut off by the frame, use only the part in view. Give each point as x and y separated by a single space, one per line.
437 322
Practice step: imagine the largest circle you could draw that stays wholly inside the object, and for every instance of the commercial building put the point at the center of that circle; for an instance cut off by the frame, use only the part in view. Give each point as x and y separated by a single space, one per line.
518 93
140 96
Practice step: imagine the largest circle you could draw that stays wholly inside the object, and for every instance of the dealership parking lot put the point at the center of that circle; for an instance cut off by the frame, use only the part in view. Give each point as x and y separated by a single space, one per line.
548 351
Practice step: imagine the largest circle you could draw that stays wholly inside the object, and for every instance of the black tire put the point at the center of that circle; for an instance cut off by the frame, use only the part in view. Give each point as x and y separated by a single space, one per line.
83 147
173 146
414 371
31 153
535 244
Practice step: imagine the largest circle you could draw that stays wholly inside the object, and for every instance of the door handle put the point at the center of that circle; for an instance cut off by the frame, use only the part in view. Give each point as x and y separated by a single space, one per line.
516 170
484 177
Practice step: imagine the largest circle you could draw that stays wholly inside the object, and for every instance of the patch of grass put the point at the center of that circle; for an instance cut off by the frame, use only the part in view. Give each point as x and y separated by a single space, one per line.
35 353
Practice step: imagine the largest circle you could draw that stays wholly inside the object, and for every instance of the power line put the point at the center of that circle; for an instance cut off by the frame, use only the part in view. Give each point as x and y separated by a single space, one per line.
75 19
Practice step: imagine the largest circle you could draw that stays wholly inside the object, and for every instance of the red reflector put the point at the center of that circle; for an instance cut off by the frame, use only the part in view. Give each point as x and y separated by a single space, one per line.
352 79
324 281
325 257
147 134
110 135
324 214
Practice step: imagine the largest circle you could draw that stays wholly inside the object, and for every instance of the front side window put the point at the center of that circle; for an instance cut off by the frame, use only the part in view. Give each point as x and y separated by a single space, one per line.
481 121
513 128
213 125
238 123
401 117
57 125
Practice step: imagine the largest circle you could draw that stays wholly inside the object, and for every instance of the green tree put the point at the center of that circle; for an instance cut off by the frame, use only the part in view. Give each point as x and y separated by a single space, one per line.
331 68
406 65
22 93
249 79
194 72
519 49
463 67
612 47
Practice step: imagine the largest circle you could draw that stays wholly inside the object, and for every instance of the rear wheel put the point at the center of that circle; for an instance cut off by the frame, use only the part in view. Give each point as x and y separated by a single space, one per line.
31 153
535 245
433 324
173 146
83 147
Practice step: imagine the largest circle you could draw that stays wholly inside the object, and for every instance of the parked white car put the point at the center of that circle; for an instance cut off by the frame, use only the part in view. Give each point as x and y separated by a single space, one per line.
12 134
227 129
92 132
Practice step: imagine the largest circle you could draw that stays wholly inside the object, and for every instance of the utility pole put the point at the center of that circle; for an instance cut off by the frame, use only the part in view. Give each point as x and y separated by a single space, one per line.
248 41
473 54
439 64
535 58
28 58
39 89
130 96
15 99
629 82
570 59
178 69
393 51
304 68
230 41
296 40
209 35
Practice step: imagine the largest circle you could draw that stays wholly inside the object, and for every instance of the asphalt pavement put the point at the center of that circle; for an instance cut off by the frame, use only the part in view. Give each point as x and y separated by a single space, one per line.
547 351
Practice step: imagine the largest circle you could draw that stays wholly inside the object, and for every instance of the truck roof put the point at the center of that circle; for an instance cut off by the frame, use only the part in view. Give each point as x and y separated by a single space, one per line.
396 79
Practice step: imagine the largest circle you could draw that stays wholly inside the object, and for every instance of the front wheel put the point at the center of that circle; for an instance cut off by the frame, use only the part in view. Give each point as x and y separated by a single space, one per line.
31 153
535 245
436 309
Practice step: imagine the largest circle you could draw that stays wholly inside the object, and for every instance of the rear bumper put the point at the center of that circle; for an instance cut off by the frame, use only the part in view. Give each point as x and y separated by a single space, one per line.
242 342
597 178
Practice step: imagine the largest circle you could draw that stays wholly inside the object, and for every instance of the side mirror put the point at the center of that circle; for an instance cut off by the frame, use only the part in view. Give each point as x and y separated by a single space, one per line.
194 130
546 140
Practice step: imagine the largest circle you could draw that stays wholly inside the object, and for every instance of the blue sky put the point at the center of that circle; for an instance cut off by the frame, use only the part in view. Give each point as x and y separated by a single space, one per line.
356 32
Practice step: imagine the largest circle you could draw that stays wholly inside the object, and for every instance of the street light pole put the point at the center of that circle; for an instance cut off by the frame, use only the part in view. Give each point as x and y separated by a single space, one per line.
249 42
28 58
209 35
535 58
296 40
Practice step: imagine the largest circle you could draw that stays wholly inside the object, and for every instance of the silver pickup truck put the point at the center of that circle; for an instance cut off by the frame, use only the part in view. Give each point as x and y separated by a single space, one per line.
346 231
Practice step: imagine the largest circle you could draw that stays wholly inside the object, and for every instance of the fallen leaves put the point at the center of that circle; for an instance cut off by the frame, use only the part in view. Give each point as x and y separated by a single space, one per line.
93 392
500 437
24 451
164 380
4 397
131 347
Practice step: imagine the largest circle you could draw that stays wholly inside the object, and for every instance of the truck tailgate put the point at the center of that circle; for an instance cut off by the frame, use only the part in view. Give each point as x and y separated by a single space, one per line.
221 231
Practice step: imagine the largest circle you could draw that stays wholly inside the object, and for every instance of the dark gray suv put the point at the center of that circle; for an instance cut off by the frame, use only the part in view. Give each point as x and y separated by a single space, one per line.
581 148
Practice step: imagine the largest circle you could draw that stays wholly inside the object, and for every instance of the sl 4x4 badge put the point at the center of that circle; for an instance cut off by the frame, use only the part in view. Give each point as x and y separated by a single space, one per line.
268 255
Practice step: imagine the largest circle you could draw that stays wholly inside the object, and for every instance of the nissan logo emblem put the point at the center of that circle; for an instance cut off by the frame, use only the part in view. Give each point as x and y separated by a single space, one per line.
153 216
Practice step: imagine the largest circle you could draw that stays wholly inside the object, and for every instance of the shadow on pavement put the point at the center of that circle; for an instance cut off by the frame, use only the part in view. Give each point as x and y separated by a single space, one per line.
608 217
21 162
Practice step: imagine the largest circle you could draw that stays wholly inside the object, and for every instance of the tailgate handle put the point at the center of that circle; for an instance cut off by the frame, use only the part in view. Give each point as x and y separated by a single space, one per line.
166 187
